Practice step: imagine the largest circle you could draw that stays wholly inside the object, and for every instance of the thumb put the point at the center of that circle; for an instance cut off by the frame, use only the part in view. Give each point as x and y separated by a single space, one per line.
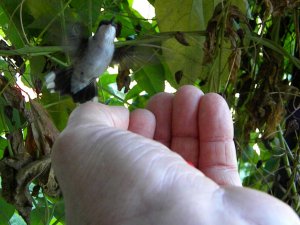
92 113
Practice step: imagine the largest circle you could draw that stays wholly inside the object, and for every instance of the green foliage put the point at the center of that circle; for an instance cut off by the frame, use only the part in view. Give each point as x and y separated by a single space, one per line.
6 211
247 51
9 27
175 16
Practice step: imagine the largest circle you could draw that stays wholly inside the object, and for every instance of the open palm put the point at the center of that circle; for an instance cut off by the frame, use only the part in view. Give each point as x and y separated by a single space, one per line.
112 172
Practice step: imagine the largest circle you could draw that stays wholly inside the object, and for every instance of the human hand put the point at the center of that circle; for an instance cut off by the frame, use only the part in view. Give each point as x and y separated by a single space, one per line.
112 172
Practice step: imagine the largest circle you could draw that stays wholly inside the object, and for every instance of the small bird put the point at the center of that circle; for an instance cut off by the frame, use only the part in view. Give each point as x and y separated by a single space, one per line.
91 59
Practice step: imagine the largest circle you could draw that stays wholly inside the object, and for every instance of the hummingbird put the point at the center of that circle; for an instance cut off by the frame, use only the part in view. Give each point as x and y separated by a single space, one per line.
91 59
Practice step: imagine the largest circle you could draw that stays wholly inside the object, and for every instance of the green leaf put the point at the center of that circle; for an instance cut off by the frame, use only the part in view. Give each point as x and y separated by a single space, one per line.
89 11
193 15
59 211
107 86
139 102
15 122
114 101
275 47
108 89
3 145
25 77
42 9
107 79
37 216
9 25
59 108
218 72
33 51
17 219
272 164
243 6
133 92
37 65
4 68
151 79
6 211
249 154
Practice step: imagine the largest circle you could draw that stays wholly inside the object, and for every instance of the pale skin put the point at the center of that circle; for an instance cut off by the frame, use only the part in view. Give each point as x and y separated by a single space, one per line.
116 167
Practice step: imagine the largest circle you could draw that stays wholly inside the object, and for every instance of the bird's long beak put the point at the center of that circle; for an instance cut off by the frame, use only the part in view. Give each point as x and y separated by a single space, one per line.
112 20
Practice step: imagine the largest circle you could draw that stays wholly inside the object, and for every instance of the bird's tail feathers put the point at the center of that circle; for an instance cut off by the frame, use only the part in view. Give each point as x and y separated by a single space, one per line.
59 81
89 93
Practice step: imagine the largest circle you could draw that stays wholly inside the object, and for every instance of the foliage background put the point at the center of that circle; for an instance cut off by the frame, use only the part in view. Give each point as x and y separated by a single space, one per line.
248 51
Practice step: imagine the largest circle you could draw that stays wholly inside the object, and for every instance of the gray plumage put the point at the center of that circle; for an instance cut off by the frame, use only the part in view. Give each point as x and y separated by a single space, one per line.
90 61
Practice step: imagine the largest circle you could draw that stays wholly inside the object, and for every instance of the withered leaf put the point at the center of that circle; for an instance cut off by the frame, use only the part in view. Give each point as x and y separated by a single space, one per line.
179 36
123 79
178 76
30 162
43 129
234 63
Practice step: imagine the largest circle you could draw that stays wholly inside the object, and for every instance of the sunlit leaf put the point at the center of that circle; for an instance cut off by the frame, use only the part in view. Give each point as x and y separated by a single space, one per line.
151 79
190 16
9 25
134 92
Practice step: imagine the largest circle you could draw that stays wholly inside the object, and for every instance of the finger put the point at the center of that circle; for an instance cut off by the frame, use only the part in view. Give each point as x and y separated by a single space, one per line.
184 123
142 122
161 106
217 158
100 114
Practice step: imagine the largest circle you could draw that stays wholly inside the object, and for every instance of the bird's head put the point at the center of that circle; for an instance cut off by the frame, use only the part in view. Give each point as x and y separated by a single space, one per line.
107 30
